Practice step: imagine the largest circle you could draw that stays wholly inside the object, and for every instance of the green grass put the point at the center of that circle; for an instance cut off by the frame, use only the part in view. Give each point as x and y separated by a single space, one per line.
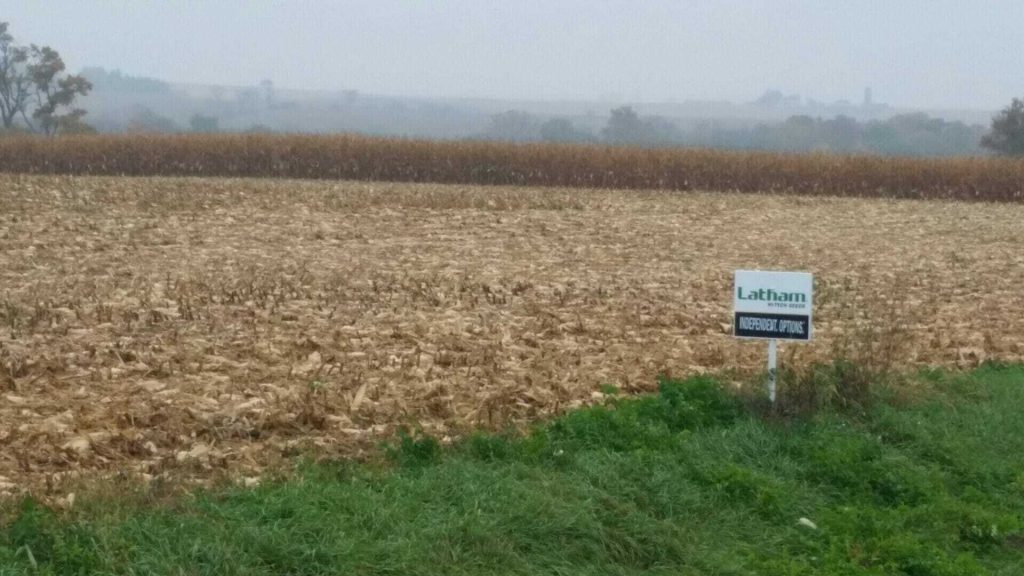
684 482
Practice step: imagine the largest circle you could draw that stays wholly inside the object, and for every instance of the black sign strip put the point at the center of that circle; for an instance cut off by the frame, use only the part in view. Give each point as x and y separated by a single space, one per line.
778 326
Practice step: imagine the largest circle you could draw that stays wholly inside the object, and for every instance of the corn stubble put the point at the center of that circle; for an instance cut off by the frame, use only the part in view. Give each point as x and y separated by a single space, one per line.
363 158
185 328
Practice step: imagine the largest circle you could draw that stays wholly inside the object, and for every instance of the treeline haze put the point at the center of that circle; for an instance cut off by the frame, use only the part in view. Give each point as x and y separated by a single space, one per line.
123 103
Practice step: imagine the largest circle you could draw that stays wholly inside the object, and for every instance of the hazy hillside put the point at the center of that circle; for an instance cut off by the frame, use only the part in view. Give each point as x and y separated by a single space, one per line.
123 103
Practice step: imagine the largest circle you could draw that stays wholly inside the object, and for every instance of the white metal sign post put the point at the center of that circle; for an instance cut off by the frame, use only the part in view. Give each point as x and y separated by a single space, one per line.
773 306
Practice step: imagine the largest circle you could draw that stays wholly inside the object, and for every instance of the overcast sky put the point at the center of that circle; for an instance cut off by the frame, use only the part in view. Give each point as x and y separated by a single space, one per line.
913 53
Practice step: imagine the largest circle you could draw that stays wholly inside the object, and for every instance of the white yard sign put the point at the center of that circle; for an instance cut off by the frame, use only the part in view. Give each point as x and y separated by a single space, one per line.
773 306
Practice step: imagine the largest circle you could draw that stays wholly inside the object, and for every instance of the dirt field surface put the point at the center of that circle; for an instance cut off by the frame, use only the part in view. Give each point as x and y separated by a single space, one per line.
188 328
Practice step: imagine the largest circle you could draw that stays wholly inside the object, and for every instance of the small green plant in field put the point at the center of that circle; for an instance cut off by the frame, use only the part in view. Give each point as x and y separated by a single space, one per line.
632 423
413 451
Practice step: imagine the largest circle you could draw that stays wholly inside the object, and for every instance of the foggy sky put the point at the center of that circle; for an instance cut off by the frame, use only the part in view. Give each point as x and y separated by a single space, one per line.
913 53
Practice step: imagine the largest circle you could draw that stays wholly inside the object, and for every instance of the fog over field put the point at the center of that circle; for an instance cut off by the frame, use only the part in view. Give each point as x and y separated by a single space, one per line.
705 74
917 53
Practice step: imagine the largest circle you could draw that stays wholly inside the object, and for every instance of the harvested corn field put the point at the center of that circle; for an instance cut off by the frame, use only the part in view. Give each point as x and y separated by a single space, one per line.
174 327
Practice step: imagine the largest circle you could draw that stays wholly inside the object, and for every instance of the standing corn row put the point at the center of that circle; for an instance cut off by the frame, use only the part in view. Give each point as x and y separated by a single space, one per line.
367 158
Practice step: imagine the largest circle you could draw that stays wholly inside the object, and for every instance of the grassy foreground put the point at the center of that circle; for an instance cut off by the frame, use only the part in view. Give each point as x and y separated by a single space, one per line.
685 482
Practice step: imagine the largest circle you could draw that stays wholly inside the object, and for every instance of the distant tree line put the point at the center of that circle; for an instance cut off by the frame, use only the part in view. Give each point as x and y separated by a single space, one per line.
37 95
104 80
914 134
155 107
1007 136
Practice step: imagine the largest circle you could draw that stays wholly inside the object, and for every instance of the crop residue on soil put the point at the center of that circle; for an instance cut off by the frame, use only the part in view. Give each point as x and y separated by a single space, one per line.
185 327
